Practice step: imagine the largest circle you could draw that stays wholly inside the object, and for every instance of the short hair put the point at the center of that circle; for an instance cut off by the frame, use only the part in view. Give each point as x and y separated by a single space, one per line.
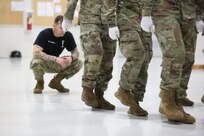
58 19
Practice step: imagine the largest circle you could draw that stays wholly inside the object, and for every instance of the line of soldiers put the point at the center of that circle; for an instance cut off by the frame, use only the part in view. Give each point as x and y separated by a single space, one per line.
131 23
174 23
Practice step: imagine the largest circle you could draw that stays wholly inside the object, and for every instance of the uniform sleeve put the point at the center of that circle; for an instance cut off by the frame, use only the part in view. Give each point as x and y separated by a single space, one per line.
41 39
200 9
110 7
71 6
147 7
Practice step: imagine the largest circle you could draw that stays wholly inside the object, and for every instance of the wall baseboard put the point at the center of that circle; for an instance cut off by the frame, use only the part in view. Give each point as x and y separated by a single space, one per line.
198 66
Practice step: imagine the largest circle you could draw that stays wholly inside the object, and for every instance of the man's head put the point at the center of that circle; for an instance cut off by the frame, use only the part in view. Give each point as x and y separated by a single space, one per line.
57 26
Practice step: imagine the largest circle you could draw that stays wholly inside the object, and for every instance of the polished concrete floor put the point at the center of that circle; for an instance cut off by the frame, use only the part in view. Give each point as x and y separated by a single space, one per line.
23 113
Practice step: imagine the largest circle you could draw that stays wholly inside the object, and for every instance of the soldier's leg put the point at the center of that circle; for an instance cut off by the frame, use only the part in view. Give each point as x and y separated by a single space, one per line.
189 37
140 86
132 49
93 53
37 65
105 70
170 39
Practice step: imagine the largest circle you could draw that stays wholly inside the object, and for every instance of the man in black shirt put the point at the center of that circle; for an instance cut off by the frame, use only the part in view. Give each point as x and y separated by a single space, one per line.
46 56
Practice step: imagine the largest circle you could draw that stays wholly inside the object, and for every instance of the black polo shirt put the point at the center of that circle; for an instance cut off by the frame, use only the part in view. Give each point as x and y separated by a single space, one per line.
55 45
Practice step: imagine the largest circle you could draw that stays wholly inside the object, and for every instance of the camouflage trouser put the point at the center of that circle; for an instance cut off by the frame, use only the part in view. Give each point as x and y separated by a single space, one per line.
177 41
140 86
133 50
99 51
189 34
40 67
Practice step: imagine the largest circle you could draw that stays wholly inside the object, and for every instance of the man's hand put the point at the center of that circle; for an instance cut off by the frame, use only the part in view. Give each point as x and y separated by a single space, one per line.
114 33
200 26
147 24
67 59
66 24
64 61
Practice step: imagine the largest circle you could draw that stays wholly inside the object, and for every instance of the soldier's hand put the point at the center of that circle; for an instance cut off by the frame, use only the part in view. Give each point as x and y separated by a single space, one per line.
200 26
147 24
114 33
66 24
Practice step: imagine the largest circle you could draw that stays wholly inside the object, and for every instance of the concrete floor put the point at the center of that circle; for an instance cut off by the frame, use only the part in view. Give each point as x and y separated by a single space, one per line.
23 113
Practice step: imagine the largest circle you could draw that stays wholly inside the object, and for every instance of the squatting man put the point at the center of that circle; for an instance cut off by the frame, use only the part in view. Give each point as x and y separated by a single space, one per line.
47 48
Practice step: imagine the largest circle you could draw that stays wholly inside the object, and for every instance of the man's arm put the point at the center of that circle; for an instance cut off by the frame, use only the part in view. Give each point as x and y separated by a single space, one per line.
38 53
71 6
147 7
111 7
75 54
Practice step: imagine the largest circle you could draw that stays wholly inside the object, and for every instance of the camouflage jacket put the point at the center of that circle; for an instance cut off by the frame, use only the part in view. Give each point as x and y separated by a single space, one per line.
123 12
187 8
90 10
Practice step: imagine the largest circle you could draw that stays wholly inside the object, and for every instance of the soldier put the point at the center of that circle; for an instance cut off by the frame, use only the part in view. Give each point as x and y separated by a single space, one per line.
174 26
99 51
124 19
46 50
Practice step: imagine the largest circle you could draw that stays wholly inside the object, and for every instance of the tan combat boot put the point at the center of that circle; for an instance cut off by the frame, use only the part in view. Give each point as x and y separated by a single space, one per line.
188 119
39 87
102 102
55 84
168 106
137 110
126 99
185 102
89 97
202 99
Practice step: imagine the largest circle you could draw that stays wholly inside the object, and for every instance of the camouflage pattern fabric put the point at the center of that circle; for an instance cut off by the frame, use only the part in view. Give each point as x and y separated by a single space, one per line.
99 51
178 48
98 48
40 67
90 11
126 14
140 86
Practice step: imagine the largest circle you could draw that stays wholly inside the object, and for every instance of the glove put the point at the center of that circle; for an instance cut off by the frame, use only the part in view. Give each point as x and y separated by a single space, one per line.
66 24
114 33
147 24
200 26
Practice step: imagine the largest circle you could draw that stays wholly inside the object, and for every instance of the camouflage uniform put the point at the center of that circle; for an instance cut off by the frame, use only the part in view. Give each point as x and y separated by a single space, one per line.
140 86
40 67
99 49
126 15
174 22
